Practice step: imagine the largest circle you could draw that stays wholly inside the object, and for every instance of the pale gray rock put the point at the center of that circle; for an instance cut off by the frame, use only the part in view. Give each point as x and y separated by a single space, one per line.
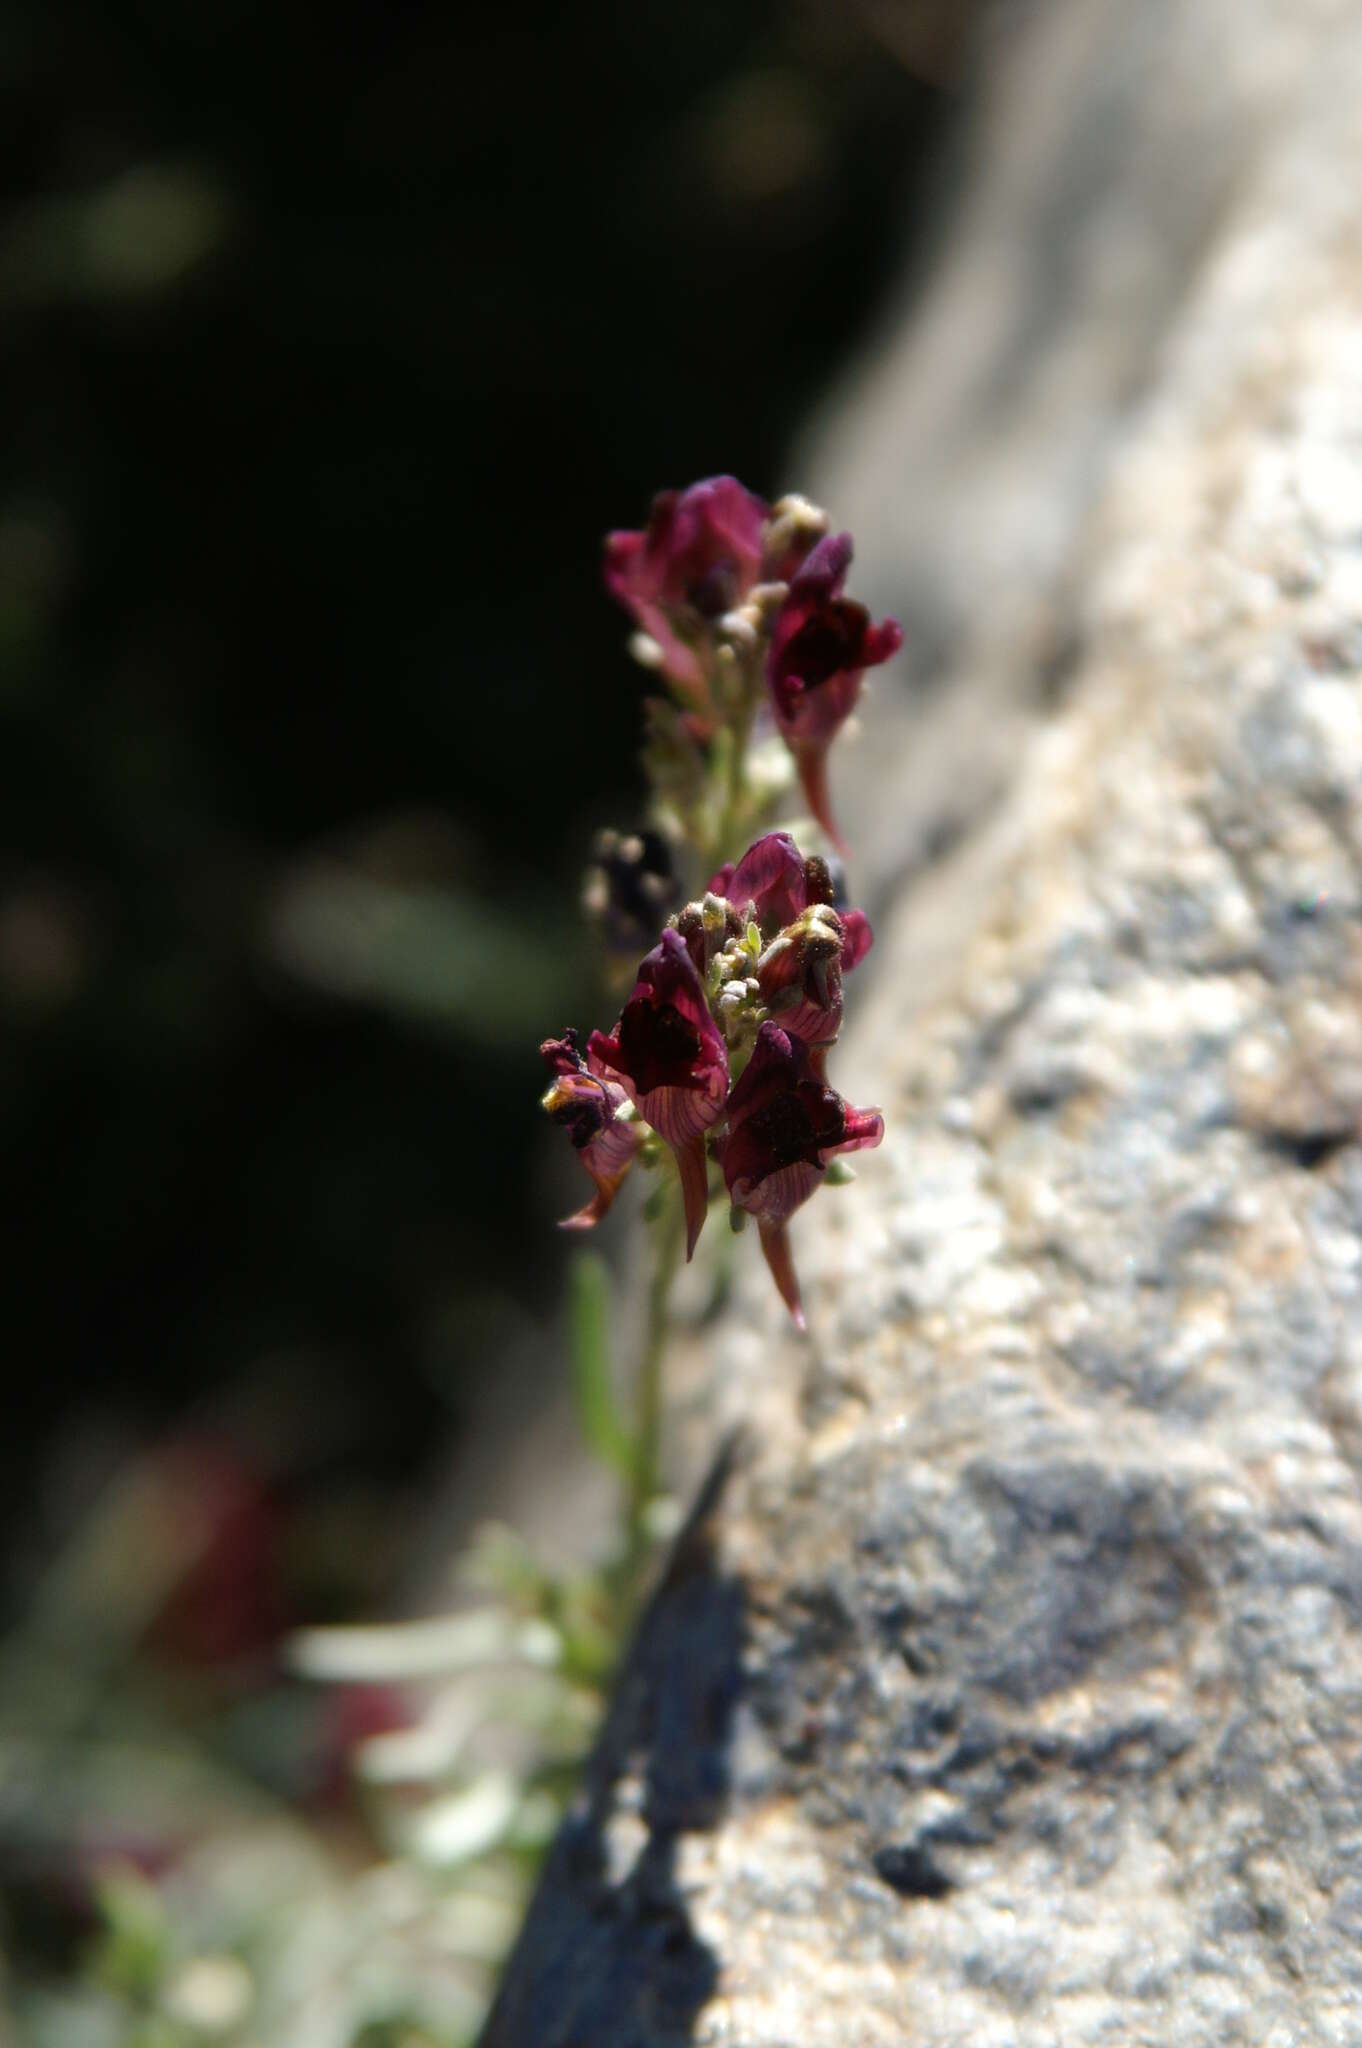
1010 1692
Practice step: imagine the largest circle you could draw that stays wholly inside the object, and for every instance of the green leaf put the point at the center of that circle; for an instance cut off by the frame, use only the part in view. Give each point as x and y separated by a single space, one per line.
130 1954
593 1382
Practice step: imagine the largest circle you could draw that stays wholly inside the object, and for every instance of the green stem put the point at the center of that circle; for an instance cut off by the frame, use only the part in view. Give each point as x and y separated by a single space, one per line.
735 788
645 1478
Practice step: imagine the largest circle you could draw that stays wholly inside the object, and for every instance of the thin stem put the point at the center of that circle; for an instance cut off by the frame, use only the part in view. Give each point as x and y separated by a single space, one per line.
735 787
669 1238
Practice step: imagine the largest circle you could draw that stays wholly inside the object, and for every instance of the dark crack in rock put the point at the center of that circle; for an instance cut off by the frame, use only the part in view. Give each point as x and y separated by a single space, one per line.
608 1952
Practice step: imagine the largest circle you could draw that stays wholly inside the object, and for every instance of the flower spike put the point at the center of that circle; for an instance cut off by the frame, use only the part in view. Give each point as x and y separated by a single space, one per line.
670 1056
821 646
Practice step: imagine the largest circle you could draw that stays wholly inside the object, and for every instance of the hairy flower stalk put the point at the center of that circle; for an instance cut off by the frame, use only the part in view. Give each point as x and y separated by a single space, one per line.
716 1065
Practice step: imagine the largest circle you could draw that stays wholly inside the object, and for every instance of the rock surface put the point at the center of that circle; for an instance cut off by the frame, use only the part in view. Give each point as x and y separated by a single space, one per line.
1010 1693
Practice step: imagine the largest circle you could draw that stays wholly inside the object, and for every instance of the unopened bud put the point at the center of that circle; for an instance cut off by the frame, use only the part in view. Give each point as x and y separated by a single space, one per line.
629 888
795 527
646 651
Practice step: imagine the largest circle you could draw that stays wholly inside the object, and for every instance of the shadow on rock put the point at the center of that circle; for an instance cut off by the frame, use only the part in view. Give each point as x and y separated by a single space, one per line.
607 1957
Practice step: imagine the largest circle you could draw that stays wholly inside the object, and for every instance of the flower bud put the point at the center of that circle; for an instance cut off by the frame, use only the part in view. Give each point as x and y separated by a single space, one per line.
629 888
795 528
707 927
800 976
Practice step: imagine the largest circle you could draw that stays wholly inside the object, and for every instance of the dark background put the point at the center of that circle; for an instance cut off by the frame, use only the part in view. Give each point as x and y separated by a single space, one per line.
333 342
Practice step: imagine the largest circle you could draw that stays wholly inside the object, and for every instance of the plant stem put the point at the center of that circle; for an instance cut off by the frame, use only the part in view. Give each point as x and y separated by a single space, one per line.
730 804
645 1479
734 800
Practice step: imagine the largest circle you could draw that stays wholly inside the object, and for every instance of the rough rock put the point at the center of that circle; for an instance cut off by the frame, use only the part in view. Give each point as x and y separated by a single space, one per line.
1010 1692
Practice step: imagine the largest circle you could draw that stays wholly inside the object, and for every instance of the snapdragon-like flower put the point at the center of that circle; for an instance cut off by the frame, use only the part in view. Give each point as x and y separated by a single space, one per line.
670 1056
772 880
821 645
588 1103
799 972
800 975
784 1125
697 558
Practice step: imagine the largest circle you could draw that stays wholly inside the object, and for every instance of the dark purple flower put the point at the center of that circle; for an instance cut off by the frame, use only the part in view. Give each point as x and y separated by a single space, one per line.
587 1103
784 1125
772 877
697 558
671 1058
800 974
821 646
801 969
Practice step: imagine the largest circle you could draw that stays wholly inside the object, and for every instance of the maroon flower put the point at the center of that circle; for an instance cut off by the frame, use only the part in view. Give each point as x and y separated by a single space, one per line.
821 646
670 1056
586 1102
800 975
772 877
697 558
784 1125
801 970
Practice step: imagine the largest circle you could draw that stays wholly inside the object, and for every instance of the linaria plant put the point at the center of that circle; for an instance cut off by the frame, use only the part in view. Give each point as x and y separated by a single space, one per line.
723 918
714 1074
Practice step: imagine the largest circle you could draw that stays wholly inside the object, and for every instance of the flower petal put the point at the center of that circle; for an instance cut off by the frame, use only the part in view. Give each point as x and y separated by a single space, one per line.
857 938
693 1168
811 760
821 645
770 876
864 1130
607 1187
775 1243
775 1197
587 1104
784 1125
698 556
668 1054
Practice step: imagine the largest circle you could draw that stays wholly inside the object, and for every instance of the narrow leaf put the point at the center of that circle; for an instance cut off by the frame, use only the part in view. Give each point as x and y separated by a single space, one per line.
593 1382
